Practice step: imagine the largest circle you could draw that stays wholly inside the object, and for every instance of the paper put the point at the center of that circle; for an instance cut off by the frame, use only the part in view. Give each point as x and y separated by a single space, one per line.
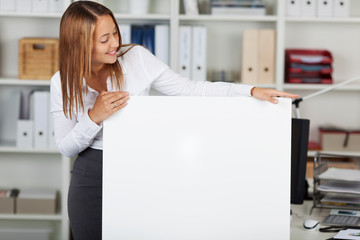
340 186
341 174
341 199
348 234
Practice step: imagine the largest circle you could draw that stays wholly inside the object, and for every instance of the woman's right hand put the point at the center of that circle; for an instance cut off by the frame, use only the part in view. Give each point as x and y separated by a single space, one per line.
106 104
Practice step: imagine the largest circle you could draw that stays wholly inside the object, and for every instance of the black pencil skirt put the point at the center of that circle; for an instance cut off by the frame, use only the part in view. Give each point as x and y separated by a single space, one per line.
85 196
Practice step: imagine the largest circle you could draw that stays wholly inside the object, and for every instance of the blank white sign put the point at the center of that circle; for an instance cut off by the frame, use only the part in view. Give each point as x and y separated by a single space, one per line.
197 168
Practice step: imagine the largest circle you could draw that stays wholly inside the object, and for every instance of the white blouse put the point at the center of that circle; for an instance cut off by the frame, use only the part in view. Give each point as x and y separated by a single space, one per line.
142 71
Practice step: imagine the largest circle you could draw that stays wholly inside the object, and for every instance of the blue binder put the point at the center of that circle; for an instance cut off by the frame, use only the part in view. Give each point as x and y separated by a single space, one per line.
136 34
149 37
144 35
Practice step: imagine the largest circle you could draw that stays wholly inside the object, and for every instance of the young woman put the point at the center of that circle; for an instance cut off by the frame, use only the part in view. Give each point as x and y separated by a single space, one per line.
97 74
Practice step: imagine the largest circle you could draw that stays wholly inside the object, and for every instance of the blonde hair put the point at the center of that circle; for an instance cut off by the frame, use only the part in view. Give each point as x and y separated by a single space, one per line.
75 46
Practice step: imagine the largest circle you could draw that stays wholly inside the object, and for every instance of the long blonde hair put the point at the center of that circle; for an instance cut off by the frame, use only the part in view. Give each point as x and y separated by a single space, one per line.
75 46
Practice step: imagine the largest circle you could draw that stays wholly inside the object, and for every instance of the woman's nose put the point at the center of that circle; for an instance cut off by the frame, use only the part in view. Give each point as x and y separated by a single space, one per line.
115 42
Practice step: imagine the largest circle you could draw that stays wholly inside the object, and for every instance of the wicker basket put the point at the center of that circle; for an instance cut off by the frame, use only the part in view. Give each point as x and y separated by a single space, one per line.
38 58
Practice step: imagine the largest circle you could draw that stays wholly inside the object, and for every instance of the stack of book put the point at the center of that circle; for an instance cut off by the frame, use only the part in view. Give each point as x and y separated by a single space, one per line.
308 66
247 7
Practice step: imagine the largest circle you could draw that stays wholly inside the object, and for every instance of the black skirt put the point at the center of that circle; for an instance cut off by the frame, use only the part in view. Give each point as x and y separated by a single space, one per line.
85 196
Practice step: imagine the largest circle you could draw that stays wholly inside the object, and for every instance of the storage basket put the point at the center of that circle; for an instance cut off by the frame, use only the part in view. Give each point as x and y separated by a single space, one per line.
38 58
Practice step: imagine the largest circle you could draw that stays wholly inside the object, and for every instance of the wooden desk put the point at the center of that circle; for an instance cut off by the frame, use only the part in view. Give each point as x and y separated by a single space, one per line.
300 213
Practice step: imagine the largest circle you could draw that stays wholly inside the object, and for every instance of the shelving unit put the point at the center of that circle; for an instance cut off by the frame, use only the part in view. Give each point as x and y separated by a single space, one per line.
339 107
24 168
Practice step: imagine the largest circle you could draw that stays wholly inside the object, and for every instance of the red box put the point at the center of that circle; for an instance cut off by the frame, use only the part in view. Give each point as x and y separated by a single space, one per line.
308 66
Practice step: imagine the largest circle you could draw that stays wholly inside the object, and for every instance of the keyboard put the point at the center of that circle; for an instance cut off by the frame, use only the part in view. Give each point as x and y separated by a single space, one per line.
341 220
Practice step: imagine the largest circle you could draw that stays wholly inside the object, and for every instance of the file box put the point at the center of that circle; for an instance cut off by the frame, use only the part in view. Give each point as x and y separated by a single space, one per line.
38 58
339 139
36 201
7 202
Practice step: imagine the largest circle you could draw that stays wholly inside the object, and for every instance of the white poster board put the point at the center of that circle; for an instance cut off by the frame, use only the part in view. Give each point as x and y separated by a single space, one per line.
197 168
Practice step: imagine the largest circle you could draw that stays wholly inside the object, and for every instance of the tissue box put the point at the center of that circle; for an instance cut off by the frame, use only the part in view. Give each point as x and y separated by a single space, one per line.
333 139
36 201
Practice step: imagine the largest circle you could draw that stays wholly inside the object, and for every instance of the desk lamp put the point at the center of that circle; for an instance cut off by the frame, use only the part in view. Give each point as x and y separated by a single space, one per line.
297 101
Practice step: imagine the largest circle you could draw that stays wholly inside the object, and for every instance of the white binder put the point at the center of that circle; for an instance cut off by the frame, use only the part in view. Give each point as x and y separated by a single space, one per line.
325 8
40 116
7 5
51 135
23 5
341 8
185 51
56 5
308 8
162 43
24 133
125 32
198 63
25 126
39 5
293 8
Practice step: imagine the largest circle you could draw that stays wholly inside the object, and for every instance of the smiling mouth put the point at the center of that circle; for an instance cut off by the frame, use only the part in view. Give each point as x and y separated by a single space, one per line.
112 52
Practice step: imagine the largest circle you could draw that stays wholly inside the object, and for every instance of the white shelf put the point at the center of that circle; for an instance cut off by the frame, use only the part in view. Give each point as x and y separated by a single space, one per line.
212 18
312 153
23 82
34 151
10 147
322 20
122 16
53 217
31 14
290 86
126 16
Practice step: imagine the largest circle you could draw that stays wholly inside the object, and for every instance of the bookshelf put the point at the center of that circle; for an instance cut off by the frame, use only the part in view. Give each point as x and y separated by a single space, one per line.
339 35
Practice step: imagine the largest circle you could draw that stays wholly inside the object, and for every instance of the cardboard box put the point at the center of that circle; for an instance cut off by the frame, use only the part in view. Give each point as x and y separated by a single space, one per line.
339 139
36 201
7 202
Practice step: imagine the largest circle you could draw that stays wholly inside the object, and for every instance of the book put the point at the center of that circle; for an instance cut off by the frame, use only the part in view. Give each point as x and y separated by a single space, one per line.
256 8
191 7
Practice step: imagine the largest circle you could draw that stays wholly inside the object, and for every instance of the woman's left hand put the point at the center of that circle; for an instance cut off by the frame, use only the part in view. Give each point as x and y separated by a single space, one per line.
270 95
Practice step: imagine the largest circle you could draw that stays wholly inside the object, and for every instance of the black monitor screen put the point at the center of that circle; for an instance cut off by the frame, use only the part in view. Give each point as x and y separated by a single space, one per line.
299 149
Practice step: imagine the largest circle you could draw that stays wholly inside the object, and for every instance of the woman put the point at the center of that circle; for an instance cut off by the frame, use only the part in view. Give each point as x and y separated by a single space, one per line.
97 74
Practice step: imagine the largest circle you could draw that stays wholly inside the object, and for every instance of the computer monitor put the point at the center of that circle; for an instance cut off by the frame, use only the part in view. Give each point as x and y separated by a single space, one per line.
299 149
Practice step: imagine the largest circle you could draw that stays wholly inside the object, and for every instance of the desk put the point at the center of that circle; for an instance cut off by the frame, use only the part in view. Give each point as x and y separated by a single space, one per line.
300 214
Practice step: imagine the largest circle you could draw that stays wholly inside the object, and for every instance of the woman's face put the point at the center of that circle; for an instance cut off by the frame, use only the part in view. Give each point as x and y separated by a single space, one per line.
106 41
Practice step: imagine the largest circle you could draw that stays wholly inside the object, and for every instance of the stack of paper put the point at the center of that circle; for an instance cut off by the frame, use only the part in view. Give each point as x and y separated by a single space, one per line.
341 174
